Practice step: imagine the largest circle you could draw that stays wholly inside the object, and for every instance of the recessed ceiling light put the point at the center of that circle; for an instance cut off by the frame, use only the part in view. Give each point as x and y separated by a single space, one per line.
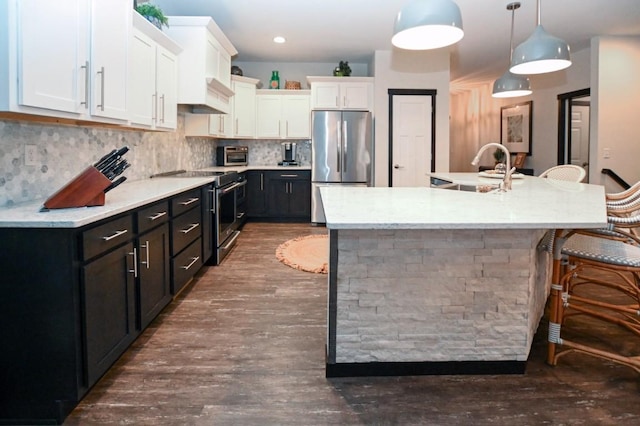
279 39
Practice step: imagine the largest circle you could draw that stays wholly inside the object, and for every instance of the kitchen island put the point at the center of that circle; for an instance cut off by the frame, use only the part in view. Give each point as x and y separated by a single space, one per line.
436 281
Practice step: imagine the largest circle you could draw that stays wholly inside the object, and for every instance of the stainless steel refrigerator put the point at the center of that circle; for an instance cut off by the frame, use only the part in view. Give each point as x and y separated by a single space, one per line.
341 153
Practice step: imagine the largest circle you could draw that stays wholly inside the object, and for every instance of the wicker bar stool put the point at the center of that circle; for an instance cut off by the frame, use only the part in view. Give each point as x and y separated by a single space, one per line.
590 258
567 172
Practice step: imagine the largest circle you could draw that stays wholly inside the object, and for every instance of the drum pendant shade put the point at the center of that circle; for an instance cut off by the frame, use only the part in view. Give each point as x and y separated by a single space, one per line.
540 53
427 24
511 85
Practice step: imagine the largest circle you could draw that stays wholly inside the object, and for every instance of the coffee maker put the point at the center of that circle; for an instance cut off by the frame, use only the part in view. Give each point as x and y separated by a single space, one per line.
289 153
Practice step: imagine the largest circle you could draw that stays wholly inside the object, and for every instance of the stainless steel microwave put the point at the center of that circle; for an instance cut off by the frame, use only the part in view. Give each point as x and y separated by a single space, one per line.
232 155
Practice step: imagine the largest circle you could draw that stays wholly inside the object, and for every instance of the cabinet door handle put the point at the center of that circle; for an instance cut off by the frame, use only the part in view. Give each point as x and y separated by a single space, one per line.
114 235
162 119
236 131
189 201
261 181
190 228
134 271
154 107
193 261
146 247
86 84
157 216
289 176
101 105
337 101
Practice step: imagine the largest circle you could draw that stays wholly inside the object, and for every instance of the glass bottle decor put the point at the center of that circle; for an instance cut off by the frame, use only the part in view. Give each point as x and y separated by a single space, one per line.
275 80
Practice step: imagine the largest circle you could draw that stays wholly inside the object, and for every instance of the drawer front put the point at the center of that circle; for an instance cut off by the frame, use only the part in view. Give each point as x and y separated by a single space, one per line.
107 236
292 175
185 265
185 229
184 202
152 216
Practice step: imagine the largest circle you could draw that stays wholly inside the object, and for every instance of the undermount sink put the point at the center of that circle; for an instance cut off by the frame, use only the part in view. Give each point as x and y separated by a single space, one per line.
443 184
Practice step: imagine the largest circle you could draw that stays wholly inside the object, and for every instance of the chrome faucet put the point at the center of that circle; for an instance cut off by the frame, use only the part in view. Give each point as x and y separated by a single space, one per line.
505 185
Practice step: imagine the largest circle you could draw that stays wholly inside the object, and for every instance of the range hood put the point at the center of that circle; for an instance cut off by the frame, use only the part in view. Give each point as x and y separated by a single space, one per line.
217 99
204 65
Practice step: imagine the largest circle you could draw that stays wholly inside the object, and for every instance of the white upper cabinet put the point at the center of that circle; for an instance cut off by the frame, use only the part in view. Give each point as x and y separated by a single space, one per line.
110 32
244 106
204 71
65 58
341 93
153 77
283 114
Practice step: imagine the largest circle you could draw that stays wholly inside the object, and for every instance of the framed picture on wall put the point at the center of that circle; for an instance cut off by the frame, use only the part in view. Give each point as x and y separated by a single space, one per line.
519 161
515 127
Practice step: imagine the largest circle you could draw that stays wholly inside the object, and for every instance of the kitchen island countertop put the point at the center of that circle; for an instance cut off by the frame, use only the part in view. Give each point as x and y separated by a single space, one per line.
532 203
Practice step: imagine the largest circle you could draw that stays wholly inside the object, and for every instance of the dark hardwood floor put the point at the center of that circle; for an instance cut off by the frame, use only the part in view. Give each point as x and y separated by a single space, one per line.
244 345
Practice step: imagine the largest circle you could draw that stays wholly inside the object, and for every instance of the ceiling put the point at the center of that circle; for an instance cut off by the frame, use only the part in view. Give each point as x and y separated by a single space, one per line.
335 30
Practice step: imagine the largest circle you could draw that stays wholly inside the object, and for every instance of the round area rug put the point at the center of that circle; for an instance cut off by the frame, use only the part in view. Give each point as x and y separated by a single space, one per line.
309 253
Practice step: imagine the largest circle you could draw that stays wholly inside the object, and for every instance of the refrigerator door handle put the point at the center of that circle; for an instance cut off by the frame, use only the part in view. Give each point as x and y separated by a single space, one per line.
339 145
345 150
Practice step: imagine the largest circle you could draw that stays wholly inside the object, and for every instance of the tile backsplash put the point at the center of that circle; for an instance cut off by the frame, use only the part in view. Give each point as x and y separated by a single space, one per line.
65 151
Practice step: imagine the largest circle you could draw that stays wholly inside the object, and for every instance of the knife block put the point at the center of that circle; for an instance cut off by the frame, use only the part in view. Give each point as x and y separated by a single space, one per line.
86 189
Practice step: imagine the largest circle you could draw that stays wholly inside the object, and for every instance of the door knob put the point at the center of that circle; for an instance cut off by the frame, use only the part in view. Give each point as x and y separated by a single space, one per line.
397 166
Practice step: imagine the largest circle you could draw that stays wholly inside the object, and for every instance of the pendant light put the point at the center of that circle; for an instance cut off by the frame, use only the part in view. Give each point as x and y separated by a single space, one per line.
540 53
427 24
511 85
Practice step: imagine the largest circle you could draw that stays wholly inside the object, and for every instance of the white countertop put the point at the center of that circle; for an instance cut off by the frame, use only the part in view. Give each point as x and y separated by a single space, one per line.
241 169
533 203
124 197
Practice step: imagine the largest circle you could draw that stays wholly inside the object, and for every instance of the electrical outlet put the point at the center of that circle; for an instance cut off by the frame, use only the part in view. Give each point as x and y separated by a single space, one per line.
606 153
30 155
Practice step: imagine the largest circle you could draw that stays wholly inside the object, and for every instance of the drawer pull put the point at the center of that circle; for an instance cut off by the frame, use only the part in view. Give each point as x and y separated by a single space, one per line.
189 229
116 234
289 176
157 216
189 201
193 261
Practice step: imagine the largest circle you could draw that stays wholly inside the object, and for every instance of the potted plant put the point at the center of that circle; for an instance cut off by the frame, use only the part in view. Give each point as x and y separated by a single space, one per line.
498 155
153 14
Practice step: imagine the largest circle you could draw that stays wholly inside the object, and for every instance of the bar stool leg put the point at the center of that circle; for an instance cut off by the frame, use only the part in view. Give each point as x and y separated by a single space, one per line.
556 302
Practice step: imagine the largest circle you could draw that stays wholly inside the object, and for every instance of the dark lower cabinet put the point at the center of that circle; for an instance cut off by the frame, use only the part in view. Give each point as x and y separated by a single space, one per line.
256 193
73 299
280 195
108 297
290 194
154 292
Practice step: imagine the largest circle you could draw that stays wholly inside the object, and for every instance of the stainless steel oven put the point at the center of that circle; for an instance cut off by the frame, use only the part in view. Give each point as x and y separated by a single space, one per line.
229 214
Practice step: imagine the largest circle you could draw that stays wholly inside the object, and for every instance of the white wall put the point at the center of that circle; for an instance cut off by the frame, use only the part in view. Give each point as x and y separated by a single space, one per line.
295 71
615 109
476 115
398 69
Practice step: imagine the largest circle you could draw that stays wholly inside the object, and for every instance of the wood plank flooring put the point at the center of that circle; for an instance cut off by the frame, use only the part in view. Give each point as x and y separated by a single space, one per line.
244 345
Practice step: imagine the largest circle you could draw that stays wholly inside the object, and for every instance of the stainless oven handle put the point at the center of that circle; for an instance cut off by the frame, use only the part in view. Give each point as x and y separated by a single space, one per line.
230 188
231 241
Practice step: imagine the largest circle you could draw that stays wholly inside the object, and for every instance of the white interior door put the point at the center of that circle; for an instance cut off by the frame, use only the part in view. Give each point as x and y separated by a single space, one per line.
580 136
411 139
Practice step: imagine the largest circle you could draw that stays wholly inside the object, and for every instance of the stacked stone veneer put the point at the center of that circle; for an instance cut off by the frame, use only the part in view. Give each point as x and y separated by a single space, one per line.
438 295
